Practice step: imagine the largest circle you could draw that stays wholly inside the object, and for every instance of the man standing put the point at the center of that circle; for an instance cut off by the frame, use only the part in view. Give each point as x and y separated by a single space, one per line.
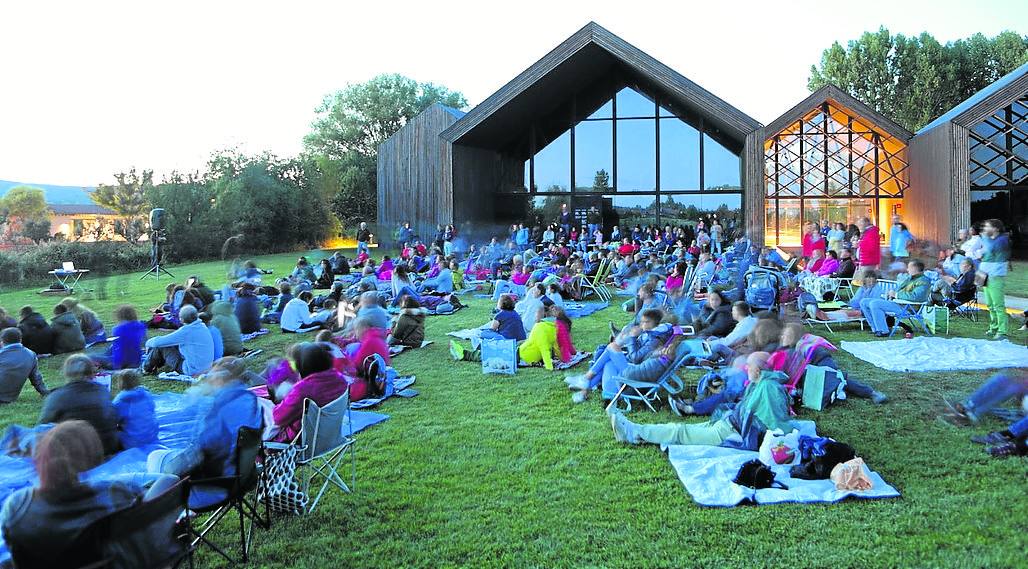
869 249
17 364
995 262
363 237
405 234
565 219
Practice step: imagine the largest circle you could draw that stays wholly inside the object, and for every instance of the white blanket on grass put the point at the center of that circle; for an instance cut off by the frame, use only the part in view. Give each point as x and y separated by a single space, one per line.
932 353
707 473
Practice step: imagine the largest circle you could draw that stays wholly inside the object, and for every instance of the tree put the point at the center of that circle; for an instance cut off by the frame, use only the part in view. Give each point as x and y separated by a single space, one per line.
127 198
25 212
915 79
342 148
601 182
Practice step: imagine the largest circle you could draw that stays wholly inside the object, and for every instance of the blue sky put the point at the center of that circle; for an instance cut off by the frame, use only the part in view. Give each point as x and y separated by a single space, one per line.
90 88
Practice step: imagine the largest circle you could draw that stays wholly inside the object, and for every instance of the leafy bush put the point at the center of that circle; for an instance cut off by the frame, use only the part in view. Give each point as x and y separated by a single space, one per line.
99 258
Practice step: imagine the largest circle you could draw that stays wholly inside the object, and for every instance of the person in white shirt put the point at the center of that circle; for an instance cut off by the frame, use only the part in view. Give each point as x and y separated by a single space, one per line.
974 248
297 317
188 350
528 308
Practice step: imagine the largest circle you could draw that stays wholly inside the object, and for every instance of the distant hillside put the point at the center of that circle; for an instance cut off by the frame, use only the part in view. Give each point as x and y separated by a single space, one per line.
54 194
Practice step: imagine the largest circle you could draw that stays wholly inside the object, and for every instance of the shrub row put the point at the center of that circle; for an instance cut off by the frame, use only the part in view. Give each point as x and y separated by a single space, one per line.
34 264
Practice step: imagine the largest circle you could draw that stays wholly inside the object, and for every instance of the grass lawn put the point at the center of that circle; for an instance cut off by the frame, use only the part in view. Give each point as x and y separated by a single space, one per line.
1017 280
506 471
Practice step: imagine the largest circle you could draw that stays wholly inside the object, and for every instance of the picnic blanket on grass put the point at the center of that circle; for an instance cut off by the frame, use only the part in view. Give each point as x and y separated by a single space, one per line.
401 388
932 353
396 310
470 333
258 333
178 416
397 350
583 309
559 365
708 471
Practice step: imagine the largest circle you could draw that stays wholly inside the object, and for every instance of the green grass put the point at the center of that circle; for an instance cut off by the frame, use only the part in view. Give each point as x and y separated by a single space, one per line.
505 471
1017 280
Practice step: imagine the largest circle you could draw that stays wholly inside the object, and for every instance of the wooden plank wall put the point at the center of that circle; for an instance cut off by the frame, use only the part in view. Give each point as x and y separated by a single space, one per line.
930 202
754 186
478 174
414 176
960 195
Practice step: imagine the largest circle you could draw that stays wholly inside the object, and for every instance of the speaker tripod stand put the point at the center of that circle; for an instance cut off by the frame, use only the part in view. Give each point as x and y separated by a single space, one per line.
155 258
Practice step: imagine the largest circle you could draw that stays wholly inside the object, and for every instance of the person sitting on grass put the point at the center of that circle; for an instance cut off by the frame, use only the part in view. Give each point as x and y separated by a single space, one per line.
549 336
367 340
92 328
764 406
297 317
216 339
506 324
1001 387
37 335
127 338
18 364
402 285
200 290
247 309
6 320
519 276
339 264
212 452
83 399
137 415
441 283
303 273
409 327
68 335
530 306
188 350
320 382
371 308
45 520
914 288
226 322
630 348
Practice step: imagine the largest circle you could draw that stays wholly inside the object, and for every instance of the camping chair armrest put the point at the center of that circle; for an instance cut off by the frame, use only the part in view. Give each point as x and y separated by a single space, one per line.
688 330
276 446
909 302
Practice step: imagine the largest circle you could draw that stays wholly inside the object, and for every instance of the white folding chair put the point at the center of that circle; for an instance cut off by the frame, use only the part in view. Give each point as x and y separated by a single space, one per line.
325 440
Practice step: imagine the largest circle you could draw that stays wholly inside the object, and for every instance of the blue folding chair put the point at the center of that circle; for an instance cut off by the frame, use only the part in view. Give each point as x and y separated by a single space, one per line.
648 392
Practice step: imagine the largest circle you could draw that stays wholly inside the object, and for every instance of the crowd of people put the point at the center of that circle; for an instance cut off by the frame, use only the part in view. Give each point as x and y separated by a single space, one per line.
689 306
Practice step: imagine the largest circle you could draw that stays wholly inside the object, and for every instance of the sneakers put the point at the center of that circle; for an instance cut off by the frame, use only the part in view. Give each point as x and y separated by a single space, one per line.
1023 327
622 428
579 396
1006 449
999 338
990 333
877 397
679 407
993 438
456 351
577 382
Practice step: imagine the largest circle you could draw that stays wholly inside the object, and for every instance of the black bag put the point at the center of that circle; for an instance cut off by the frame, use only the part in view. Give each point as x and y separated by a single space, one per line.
756 474
819 467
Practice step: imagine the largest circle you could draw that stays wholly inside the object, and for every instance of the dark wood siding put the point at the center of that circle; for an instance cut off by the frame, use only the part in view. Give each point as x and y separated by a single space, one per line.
414 176
478 175
753 186
929 204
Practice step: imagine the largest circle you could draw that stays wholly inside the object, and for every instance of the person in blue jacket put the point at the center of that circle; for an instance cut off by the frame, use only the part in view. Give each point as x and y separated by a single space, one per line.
137 415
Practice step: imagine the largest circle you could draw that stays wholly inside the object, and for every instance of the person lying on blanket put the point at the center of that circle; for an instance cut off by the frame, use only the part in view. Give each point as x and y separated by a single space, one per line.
1001 387
549 336
764 406
627 349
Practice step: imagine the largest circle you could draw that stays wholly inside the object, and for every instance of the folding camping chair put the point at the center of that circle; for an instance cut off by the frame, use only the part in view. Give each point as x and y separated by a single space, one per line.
224 494
595 284
137 532
913 312
648 392
325 439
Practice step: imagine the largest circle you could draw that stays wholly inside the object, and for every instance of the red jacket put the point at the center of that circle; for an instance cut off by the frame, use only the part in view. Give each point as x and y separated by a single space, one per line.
811 243
322 388
869 249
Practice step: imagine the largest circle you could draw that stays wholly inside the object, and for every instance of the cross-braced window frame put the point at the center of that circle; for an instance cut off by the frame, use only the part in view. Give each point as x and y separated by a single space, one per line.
1003 163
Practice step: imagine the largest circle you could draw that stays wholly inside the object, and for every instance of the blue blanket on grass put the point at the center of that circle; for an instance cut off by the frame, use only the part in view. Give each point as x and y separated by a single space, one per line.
583 309
401 388
177 415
